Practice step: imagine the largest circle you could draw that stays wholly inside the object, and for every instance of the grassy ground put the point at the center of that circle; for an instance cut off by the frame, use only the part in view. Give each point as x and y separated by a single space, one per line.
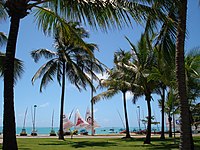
99 144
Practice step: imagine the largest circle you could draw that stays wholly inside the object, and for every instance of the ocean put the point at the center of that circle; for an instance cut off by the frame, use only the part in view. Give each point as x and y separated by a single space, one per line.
101 130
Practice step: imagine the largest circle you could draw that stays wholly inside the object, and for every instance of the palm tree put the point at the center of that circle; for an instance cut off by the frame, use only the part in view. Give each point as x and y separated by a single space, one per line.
163 73
164 47
192 67
180 9
119 80
68 61
186 140
103 14
143 62
171 107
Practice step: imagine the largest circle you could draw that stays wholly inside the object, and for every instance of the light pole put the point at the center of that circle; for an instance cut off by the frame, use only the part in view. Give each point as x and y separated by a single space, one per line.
34 132
139 117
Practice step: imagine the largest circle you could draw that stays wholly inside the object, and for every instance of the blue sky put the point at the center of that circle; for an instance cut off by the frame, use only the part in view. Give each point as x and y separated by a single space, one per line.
27 95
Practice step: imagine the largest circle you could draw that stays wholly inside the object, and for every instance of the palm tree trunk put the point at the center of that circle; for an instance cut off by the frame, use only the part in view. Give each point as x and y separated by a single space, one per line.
61 136
9 127
126 116
148 134
163 115
170 125
186 141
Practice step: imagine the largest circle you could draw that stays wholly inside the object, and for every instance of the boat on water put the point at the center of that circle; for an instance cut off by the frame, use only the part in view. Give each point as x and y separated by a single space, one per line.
112 130
80 125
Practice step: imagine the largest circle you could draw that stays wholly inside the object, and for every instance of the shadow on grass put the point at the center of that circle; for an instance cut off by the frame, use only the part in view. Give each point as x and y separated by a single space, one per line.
81 144
156 143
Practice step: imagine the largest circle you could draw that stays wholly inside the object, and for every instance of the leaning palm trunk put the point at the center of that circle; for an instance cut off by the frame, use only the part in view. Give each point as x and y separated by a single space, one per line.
148 134
186 141
9 129
126 116
61 136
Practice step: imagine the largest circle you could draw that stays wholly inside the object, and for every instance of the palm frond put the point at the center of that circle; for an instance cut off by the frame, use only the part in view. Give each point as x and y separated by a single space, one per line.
37 54
50 22
105 95
3 14
18 67
47 72
3 39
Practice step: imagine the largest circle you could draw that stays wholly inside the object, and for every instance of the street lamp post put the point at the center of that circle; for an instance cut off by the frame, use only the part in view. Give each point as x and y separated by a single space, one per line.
34 132
139 117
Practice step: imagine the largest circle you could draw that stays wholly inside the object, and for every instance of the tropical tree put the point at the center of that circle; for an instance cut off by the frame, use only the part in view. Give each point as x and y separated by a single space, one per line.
171 107
143 62
163 73
195 111
68 61
192 67
186 140
164 48
180 9
103 14
119 80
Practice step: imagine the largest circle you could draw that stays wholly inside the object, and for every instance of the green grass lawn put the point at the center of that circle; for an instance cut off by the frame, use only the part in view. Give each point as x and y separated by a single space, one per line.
99 144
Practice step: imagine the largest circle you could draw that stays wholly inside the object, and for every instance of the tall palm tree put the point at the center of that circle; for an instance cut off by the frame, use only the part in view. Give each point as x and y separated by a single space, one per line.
119 80
180 9
143 62
68 61
186 140
163 73
103 14
164 46
171 107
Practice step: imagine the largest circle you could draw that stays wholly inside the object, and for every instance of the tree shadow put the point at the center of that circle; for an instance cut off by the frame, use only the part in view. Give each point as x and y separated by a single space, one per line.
83 144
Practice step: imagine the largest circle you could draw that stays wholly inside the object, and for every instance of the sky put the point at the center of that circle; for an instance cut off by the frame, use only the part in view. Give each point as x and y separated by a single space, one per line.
106 111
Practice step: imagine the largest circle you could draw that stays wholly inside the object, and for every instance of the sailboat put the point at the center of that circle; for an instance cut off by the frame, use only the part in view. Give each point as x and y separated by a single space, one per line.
67 124
52 133
23 132
88 118
80 123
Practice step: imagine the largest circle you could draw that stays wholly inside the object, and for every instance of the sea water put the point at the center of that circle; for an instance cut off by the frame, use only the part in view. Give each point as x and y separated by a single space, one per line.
101 130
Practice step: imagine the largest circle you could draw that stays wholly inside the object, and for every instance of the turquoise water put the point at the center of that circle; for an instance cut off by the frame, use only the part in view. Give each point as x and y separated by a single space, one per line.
102 130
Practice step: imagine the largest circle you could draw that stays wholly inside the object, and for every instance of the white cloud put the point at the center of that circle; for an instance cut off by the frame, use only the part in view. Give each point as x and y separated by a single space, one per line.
44 105
129 95
104 76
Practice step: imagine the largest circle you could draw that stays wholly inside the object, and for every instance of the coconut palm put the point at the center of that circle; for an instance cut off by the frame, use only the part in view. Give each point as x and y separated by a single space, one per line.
163 73
180 9
164 46
119 80
103 14
192 67
171 107
68 61
186 140
143 62
195 111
